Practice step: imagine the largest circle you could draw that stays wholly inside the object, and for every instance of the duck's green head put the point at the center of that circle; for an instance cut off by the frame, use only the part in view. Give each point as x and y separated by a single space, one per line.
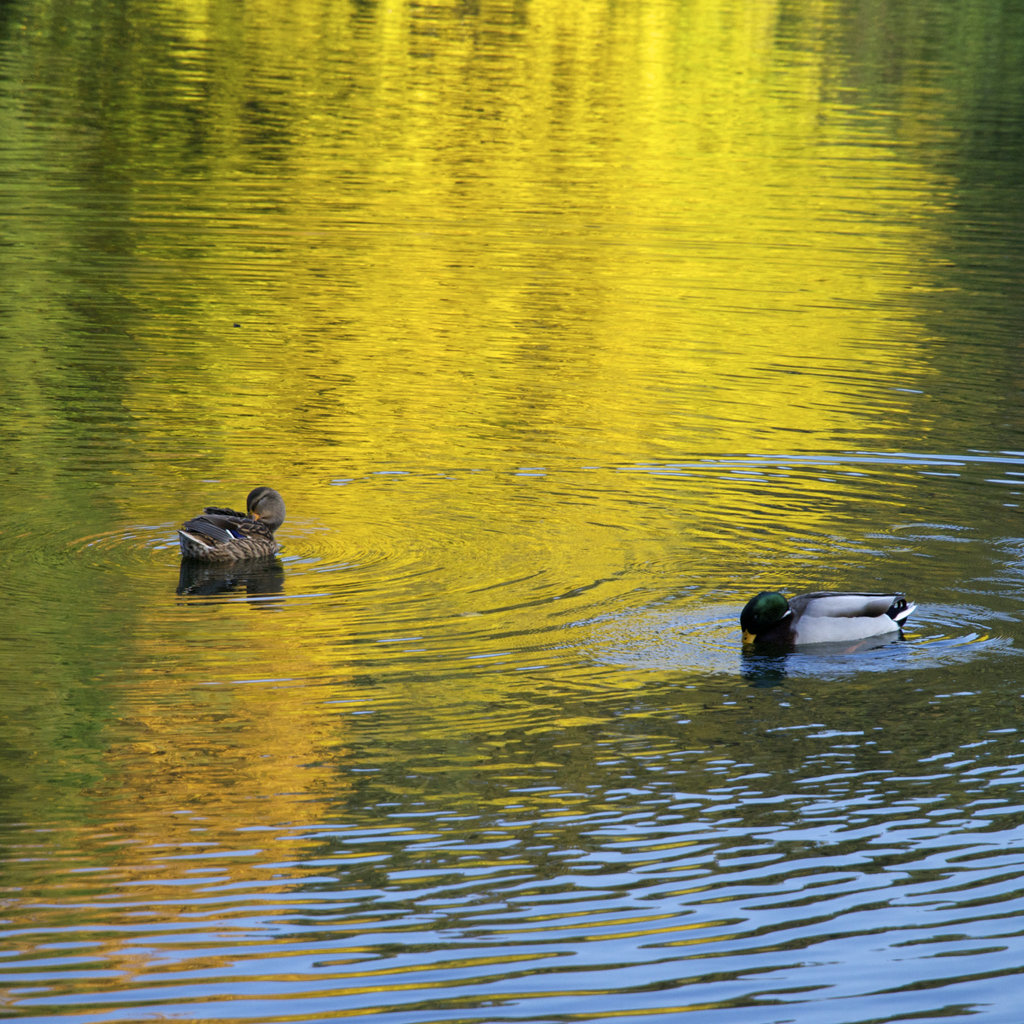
763 613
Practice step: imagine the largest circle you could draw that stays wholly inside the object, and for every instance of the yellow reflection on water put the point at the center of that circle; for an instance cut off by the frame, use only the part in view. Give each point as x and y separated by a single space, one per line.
572 235
315 242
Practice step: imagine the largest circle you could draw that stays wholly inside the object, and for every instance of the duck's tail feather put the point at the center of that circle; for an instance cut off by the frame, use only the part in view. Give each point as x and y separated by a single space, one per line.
194 545
900 610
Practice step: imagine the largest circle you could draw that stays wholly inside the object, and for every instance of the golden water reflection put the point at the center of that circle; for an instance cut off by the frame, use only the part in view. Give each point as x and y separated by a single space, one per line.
562 328
448 235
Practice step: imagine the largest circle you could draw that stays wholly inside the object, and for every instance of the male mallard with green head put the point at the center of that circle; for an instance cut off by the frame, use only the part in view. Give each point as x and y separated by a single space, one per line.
823 617
223 535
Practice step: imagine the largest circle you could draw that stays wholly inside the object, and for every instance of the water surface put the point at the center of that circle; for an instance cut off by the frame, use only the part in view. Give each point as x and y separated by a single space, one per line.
562 332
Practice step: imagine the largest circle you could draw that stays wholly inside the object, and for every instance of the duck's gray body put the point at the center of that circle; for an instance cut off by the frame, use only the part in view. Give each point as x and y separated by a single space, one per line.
822 617
224 535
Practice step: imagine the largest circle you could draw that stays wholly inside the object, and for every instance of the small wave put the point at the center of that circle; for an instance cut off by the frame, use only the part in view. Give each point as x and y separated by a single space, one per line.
125 548
708 640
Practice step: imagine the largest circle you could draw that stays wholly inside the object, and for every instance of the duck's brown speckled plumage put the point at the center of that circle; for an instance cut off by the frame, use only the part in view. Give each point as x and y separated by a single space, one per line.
224 535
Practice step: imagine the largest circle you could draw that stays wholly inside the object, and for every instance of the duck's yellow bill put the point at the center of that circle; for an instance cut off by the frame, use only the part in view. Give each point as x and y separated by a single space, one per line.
748 638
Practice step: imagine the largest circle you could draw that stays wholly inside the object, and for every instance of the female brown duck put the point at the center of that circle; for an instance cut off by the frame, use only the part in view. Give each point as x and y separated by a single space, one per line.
223 535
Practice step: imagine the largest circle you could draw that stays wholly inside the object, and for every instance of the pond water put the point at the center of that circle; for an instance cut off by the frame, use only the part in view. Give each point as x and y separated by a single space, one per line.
563 329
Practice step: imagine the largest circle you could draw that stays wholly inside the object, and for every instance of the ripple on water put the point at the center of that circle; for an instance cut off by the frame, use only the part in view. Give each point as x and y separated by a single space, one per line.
410 604
580 562
126 548
137 554
707 640
484 858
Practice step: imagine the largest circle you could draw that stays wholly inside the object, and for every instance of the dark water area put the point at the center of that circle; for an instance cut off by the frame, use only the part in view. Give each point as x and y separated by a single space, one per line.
562 331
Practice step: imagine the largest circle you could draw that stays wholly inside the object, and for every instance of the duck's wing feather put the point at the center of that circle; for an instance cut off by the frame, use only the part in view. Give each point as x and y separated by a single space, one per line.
242 523
833 604
211 510
217 525
223 525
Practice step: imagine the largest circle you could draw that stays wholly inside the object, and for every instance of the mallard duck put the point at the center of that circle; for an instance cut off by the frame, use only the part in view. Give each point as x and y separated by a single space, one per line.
823 617
223 535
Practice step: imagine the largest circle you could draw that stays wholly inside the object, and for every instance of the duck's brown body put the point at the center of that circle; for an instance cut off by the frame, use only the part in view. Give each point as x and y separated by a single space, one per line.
224 535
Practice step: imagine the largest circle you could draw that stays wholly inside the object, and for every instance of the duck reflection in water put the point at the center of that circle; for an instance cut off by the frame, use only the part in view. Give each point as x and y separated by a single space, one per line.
255 577
767 664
